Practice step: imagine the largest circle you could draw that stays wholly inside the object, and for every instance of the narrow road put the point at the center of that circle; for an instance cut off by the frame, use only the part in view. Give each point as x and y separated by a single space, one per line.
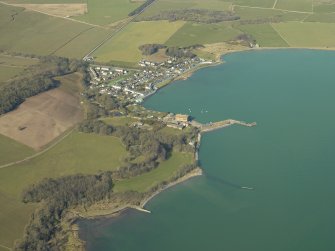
37 154
116 32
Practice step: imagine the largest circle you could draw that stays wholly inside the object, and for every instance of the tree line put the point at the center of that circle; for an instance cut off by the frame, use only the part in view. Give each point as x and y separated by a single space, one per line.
192 15
58 195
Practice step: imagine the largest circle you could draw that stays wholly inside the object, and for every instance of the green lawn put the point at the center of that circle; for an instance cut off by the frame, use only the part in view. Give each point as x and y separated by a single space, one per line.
164 172
124 46
11 150
78 153
35 33
193 33
295 5
104 12
264 34
299 34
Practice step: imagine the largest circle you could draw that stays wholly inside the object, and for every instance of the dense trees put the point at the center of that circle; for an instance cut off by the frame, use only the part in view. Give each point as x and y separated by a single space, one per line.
58 195
193 15
149 49
95 126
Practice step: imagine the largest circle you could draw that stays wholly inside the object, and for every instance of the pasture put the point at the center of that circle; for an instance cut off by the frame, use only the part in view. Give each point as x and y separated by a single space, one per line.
78 153
264 34
298 34
8 72
163 172
124 46
42 118
105 12
193 33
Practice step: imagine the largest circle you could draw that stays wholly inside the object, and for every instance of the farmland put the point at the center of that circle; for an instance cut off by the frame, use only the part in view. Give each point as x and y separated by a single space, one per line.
49 35
42 118
105 12
299 34
12 150
78 153
192 33
11 66
124 46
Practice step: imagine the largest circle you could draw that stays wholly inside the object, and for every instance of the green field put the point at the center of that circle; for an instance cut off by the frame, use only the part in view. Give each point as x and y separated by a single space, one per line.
299 34
264 34
11 66
192 33
78 153
246 13
10 150
84 43
124 46
256 3
324 7
165 171
35 33
104 12
295 5
7 73
322 18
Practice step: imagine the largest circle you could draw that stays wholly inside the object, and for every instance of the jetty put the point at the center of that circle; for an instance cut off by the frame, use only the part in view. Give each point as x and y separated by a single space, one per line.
220 124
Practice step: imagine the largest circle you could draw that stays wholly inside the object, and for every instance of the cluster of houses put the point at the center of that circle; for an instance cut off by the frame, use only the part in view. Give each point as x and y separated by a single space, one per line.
135 85
177 121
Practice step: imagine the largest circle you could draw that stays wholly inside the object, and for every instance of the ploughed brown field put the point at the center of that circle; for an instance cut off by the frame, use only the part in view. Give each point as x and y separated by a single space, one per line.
42 118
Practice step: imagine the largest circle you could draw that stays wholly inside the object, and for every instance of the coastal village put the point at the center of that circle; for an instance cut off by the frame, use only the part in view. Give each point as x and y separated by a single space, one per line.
134 85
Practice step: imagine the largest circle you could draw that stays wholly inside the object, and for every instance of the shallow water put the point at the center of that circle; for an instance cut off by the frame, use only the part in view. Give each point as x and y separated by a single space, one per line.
288 158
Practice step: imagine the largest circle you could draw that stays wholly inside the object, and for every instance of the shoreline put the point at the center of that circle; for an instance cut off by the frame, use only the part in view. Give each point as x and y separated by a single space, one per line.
197 171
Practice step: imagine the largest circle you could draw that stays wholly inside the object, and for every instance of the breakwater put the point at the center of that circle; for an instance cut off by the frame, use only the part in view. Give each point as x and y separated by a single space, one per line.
208 127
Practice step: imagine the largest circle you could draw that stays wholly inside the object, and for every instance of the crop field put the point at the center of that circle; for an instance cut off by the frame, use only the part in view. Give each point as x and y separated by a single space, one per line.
78 153
42 118
193 33
320 6
264 34
124 46
104 12
295 5
298 34
47 35
164 172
